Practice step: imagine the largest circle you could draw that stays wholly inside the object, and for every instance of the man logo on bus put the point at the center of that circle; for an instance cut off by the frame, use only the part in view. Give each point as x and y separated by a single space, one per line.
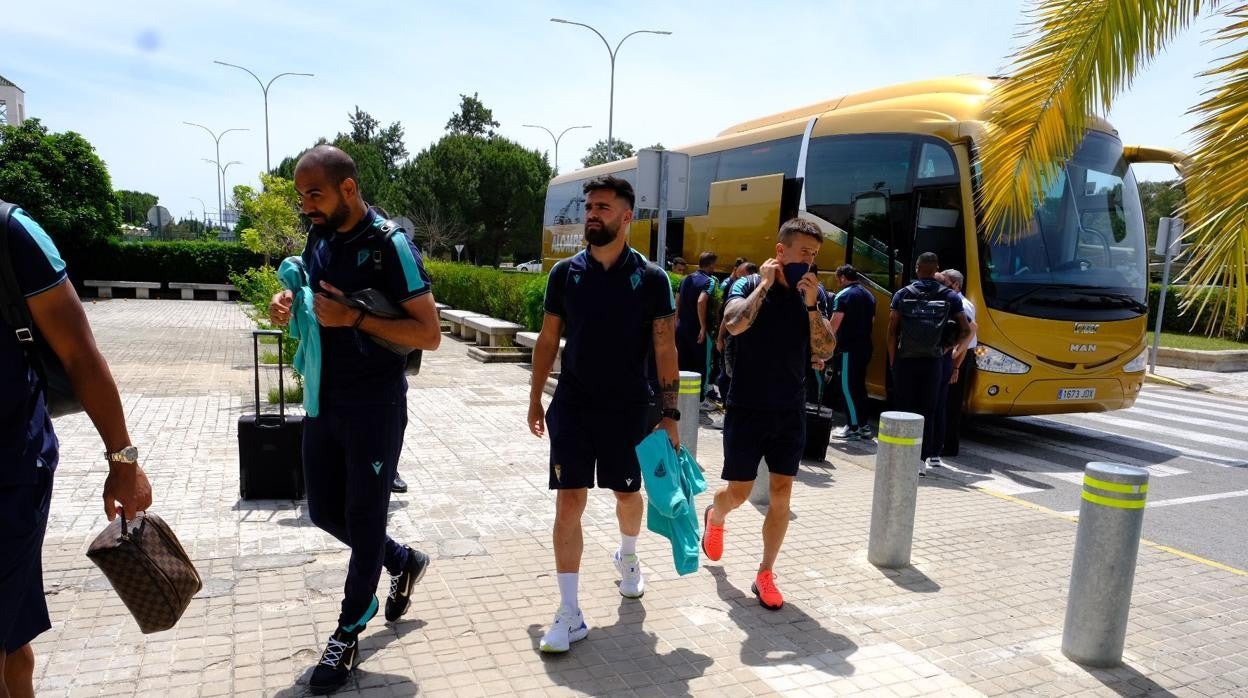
1085 348
1087 327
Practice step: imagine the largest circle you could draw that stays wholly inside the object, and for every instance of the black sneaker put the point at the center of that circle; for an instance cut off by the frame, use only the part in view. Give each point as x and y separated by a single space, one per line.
341 655
401 584
398 485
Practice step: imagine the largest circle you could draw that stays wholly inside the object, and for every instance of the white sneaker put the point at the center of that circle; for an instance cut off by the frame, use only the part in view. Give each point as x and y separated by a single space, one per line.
632 582
568 627
935 462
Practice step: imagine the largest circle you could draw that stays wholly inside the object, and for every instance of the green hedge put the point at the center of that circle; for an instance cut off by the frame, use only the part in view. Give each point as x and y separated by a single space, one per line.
188 261
513 296
1189 323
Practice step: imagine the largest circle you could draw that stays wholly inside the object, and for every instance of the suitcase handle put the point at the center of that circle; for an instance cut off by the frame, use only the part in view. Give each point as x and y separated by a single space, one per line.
125 532
281 371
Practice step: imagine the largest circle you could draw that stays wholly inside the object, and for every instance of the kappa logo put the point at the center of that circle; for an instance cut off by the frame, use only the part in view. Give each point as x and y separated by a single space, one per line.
377 467
361 257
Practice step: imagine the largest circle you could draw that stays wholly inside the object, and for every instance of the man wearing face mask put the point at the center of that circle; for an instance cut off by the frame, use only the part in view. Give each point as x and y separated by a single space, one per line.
351 448
614 307
778 321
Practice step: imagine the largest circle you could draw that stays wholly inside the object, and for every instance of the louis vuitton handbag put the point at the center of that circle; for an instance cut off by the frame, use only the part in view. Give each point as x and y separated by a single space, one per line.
148 569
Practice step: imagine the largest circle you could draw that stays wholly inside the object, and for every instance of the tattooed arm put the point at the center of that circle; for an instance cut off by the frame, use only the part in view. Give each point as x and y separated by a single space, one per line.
822 339
669 374
740 312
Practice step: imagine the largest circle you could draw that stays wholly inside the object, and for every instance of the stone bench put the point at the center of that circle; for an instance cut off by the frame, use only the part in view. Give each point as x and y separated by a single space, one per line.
188 289
492 332
142 289
456 319
529 339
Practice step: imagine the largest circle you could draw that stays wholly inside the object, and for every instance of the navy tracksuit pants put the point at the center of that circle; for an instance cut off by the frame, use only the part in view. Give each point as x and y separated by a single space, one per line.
916 388
350 455
849 370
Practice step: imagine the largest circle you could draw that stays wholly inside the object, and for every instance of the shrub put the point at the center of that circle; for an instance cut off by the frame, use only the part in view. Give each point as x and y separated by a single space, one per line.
505 295
189 261
1190 322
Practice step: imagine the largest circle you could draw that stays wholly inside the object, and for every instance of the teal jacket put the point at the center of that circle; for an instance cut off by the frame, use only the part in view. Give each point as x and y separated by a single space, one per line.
304 327
672 480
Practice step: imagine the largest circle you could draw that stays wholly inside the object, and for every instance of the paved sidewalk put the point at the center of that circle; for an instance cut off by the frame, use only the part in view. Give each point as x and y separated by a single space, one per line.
981 611
1233 383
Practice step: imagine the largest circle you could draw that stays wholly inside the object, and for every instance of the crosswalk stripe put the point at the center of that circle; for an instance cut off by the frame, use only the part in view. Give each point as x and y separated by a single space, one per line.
1131 441
1204 402
1153 429
1169 415
1086 453
1196 499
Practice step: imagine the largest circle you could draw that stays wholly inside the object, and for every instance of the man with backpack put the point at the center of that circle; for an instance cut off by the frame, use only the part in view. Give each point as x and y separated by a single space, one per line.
351 448
917 340
42 313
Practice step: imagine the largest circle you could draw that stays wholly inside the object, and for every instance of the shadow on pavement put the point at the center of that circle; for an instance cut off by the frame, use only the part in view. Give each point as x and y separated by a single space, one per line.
1126 681
362 679
613 656
910 579
769 634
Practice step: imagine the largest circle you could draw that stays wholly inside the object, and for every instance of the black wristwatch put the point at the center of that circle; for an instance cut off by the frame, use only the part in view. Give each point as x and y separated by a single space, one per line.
672 414
812 308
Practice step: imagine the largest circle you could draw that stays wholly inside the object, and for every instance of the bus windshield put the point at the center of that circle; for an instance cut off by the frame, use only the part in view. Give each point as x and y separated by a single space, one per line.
1082 256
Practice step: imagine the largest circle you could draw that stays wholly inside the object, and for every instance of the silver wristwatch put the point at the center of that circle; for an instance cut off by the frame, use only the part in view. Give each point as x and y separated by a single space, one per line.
128 455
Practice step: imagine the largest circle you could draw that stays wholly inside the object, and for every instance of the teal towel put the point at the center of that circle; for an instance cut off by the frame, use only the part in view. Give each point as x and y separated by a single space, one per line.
303 326
672 480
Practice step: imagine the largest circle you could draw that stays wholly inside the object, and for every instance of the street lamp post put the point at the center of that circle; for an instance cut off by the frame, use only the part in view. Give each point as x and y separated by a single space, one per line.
223 169
555 138
203 209
613 52
216 137
264 87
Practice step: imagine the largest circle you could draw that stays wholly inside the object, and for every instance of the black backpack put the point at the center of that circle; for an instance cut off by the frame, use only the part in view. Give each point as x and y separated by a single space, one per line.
924 319
57 389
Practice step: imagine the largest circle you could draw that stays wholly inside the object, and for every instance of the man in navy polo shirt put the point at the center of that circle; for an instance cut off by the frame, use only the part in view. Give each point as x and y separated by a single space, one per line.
351 448
28 445
778 321
693 317
853 313
614 308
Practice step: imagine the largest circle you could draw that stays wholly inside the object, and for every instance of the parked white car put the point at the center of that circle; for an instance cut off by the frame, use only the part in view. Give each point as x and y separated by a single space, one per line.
534 265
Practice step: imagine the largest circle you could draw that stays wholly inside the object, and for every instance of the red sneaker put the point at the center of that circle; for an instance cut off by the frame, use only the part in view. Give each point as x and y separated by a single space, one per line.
765 589
712 536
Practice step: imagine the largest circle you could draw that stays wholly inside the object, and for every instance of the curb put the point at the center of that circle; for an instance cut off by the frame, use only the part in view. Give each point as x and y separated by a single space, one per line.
1173 382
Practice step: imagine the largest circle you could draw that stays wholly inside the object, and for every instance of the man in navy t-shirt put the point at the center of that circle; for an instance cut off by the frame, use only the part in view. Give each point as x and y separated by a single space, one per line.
853 312
778 322
916 379
693 317
615 310
351 448
28 445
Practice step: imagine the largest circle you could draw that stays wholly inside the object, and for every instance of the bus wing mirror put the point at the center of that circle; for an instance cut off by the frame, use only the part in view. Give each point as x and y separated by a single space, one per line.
1141 154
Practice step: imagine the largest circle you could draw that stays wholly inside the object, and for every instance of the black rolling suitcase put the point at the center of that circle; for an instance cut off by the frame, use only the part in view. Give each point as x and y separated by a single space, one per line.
270 446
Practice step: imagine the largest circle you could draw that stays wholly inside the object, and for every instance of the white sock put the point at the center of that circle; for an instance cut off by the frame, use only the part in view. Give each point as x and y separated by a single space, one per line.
567 588
628 545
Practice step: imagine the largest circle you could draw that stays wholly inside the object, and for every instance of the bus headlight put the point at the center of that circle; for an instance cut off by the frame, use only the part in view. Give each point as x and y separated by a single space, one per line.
993 361
1137 364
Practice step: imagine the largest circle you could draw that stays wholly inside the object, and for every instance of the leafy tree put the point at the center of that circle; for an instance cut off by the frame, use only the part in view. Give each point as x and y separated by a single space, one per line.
60 181
132 206
597 154
1159 200
365 130
473 118
273 218
1075 57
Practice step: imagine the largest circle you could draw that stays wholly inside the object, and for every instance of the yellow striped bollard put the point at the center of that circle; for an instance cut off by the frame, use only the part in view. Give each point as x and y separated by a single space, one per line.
897 463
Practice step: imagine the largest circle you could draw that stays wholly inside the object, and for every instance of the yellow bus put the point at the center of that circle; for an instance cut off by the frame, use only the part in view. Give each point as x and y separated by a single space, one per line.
889 174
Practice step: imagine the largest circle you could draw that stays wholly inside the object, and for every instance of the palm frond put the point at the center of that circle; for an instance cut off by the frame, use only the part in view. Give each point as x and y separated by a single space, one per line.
1078 55
1217 182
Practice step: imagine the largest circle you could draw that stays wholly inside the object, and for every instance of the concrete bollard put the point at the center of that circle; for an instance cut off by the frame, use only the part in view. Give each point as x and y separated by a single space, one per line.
896 489
688 401
1107 542
760 492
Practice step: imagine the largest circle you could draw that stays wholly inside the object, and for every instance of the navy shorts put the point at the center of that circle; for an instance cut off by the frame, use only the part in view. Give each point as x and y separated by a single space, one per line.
585 440
777 436
23 522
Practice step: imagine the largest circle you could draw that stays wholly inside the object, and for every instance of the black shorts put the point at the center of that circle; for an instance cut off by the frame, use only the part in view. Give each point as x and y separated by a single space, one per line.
23 522
778 436
585 439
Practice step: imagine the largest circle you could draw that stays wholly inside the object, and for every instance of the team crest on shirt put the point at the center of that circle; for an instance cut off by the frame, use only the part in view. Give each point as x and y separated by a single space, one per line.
576 278
361 257
636 279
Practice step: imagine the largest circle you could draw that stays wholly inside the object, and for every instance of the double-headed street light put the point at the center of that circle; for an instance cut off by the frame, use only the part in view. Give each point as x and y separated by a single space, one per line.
216 137
613 52
264 87
554 138
223 169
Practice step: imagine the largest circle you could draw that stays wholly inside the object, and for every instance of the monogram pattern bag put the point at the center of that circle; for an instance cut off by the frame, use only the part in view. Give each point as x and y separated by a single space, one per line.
148 569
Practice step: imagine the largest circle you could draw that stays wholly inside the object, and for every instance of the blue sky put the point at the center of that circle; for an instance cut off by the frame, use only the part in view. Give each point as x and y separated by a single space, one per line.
127 74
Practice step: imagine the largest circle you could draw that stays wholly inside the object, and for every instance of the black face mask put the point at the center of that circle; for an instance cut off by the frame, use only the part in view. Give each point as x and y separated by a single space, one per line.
794 271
